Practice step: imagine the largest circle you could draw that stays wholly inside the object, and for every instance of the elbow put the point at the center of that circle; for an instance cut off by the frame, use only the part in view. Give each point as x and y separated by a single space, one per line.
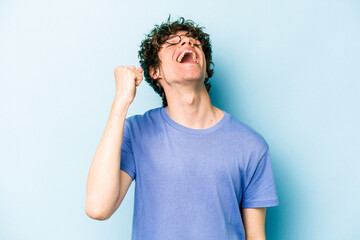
96 213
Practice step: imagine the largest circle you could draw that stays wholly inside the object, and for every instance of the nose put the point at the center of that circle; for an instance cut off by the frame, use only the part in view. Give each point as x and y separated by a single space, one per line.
184 40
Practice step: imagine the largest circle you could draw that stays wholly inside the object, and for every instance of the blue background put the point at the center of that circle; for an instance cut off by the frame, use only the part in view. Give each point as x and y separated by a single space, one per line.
289 69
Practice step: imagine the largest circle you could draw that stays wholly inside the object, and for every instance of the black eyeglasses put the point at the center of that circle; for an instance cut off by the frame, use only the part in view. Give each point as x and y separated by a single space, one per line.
176 39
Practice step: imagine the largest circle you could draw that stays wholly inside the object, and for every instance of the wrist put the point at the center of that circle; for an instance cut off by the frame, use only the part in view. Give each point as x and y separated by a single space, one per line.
122 102
120 106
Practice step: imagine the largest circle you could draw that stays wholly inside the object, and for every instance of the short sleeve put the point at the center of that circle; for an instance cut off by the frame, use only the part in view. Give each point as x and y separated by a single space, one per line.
260 189
127 162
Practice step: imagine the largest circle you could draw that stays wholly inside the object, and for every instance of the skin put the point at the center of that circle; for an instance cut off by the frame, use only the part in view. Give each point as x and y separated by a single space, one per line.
254 223
188 104
107 185
188 100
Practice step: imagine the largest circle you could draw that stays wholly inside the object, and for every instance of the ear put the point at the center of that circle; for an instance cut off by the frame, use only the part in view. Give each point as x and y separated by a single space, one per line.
154 73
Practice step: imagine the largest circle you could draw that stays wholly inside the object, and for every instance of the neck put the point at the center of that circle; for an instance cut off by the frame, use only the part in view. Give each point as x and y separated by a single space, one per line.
191 107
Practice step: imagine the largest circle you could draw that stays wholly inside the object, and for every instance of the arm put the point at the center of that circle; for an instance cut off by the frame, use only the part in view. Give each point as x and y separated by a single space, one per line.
254 223
107 184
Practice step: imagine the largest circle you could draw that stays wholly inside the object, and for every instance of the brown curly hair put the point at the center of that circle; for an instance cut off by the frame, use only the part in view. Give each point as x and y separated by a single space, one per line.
153 41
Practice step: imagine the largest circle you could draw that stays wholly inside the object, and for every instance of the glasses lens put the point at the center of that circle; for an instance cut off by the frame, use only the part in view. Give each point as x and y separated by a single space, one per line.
173 39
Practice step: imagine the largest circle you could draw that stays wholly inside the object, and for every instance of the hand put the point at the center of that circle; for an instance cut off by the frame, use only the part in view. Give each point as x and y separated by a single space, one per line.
127 78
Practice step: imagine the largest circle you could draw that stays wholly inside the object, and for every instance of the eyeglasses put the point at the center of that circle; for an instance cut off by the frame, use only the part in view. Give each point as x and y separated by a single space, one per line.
176 39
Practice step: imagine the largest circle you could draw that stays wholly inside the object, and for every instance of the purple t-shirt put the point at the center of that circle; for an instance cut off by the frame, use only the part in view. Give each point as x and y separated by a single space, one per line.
192 183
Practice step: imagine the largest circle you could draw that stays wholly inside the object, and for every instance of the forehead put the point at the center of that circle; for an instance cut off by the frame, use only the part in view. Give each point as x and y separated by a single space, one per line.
181 32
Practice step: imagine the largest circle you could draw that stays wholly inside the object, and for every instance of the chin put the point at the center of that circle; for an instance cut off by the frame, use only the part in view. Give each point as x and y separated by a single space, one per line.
192 77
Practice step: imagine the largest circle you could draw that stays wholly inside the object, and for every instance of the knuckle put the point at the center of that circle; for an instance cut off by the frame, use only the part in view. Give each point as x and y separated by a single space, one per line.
118 68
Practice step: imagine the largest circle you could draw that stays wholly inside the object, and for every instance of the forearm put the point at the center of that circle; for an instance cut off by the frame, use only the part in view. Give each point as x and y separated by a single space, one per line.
254 223
256 238
103 185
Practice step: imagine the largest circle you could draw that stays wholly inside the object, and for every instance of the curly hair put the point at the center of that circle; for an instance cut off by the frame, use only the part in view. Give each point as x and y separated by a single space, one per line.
153 41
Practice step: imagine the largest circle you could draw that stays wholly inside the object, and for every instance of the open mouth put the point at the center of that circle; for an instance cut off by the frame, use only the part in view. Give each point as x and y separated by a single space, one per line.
187 56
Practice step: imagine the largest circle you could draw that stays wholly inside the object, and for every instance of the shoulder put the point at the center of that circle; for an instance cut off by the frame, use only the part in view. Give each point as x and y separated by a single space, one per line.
246 135
143 122
250 145
145 117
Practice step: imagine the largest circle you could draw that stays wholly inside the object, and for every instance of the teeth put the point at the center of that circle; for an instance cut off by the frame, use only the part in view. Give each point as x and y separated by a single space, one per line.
183 54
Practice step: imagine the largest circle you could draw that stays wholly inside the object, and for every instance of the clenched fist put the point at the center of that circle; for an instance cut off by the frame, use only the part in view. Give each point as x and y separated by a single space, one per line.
127 78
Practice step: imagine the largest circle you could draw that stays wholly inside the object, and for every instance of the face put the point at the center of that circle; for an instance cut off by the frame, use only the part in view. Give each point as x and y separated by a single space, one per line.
181 62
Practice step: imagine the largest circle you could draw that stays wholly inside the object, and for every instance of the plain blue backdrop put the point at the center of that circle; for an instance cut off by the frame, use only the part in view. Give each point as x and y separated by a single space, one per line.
290 69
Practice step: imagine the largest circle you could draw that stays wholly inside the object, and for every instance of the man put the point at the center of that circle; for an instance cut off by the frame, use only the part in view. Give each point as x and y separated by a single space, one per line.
200 173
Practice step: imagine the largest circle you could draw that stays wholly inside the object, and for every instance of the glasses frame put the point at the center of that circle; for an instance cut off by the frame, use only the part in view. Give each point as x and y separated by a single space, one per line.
180 37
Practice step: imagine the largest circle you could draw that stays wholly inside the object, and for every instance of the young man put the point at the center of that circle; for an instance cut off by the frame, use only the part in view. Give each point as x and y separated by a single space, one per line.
200 173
